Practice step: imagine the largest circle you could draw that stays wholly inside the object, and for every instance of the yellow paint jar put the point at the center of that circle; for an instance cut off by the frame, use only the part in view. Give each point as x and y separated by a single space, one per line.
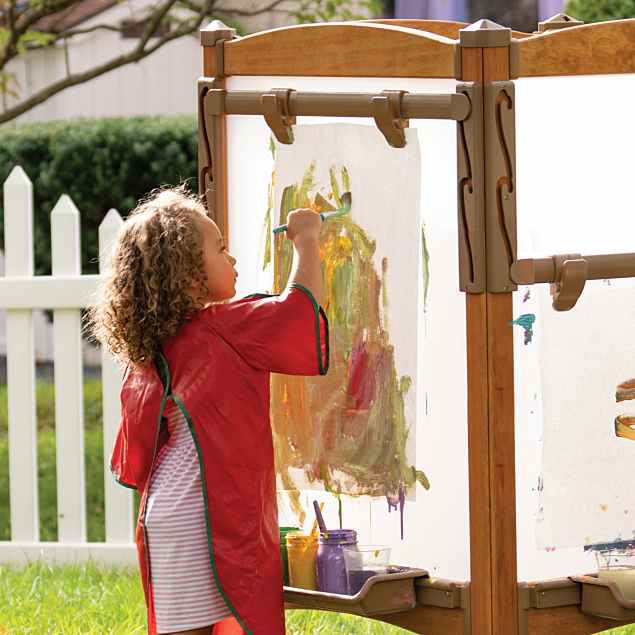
302 552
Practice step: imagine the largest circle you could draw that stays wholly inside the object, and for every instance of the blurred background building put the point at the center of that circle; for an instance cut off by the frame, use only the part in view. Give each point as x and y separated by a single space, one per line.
522 15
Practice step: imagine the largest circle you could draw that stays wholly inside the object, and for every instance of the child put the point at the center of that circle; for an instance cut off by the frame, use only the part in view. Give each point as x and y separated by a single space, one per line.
195 438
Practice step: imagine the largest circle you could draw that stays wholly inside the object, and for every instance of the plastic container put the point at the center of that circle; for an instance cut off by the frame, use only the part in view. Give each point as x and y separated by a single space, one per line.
331 566
618 566
301 554
363 562
394 592
283 552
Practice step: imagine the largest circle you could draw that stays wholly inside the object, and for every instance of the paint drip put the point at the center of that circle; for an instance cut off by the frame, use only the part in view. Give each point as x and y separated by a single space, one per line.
399 499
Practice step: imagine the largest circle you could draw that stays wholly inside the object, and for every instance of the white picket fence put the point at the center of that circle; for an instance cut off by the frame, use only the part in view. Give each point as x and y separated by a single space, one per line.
66 291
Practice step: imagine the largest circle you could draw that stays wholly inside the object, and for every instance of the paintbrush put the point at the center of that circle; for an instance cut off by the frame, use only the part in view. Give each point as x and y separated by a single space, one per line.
315 523
319 518
347 200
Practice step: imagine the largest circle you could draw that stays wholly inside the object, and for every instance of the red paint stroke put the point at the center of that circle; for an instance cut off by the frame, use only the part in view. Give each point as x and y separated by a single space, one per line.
362 379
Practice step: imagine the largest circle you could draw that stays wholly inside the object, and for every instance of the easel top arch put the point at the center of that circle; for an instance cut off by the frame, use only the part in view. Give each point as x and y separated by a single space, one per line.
338 49
601 48
419 48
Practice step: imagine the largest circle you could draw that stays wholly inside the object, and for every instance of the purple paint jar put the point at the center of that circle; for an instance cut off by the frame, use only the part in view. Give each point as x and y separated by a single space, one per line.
330 563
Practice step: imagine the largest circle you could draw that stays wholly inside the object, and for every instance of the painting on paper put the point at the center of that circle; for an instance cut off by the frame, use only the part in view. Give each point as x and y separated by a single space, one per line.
585 360
352 431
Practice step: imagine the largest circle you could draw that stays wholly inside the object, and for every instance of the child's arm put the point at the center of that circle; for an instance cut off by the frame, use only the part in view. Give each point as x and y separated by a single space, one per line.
303 228
286 333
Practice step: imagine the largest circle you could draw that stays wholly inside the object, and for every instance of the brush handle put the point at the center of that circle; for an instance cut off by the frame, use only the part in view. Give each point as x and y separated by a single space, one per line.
323 216
318 516
344 209
314 526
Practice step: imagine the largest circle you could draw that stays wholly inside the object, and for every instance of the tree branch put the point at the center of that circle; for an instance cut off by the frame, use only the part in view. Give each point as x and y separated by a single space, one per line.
10 45
67 35
269 7
24 21
34 13
138 53
154 22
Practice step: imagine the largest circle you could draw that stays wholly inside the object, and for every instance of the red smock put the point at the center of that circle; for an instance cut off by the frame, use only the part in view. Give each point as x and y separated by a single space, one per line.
216 369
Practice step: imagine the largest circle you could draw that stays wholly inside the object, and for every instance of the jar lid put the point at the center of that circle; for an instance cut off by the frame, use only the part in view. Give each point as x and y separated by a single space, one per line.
339 536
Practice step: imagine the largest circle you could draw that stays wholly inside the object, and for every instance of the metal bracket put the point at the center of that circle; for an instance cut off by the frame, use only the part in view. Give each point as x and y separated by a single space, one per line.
571 276
277 114
470 192
210 107
219 48
205 167
546 594
447 594
386 109
215 99
500 185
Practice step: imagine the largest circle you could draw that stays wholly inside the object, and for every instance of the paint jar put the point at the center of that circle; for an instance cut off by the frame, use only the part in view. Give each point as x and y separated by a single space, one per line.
364 562
618 566
283 553
331 566
301 553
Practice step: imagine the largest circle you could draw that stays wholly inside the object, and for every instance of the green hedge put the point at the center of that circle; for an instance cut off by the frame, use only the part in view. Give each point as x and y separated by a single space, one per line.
600 10
100 164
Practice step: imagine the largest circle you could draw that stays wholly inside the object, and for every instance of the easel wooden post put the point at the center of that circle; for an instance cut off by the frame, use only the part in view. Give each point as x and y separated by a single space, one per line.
214 158
493 586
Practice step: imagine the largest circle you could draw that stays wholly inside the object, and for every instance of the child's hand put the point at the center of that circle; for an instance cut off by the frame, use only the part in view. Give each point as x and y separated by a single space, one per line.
303 224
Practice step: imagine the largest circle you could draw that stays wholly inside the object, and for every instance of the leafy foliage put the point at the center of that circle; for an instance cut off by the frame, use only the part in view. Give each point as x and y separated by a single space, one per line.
100 164
327 10
600 10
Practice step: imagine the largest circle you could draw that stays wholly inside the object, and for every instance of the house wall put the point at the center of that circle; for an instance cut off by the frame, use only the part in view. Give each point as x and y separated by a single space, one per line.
471 10
454 10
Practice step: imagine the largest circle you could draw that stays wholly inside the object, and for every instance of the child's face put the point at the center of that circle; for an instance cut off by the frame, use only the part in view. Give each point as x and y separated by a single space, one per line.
218 263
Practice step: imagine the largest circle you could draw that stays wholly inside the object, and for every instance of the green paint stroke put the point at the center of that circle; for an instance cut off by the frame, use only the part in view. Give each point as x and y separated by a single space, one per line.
347 429
426 266
266 229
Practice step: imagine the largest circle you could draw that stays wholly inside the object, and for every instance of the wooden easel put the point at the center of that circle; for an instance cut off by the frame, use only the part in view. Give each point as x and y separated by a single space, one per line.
486 57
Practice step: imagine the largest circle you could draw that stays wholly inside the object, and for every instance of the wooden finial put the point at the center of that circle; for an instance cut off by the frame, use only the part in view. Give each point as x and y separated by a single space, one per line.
485 33
216 30
558 21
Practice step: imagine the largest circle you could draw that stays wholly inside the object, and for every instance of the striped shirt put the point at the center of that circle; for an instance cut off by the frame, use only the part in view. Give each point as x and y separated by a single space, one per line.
185 593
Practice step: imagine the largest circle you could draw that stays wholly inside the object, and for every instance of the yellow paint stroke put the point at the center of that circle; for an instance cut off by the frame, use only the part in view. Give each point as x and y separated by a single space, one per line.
625 424
346 429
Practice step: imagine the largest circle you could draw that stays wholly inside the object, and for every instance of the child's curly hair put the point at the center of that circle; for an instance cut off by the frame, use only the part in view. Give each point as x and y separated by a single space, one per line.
156 263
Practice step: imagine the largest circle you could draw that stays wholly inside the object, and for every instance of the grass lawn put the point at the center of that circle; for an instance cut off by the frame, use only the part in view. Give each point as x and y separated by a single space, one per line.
90 599
93 600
